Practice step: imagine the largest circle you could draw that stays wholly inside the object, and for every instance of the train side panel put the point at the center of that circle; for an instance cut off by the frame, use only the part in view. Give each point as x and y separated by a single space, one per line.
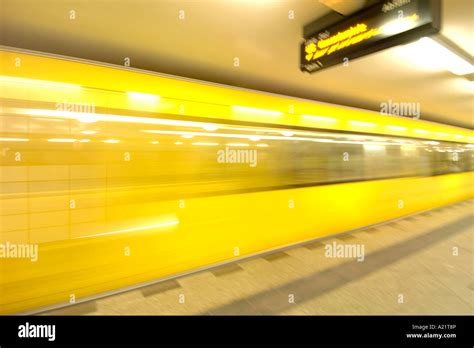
211 230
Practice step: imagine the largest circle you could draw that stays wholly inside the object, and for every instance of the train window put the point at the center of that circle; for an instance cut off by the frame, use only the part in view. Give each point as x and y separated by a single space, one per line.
173 158
73 174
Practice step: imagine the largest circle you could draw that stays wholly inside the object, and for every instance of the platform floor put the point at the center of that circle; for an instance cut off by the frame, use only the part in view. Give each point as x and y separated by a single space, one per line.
423 264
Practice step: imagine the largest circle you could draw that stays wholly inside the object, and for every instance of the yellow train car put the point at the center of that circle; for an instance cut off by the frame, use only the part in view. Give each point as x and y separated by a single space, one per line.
112 177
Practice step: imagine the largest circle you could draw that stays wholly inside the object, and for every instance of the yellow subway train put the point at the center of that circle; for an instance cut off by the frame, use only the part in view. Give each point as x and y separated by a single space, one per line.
112 177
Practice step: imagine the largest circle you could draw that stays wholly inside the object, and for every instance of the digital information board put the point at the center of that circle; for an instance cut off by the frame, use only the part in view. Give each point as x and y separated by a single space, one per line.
384 25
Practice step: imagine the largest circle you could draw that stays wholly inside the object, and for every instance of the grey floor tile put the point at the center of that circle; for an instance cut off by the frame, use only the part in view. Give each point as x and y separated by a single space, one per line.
161 287
275 256
88 307
227 269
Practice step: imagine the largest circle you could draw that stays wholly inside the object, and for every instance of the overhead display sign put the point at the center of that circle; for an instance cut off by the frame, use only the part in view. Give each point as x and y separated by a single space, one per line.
381 26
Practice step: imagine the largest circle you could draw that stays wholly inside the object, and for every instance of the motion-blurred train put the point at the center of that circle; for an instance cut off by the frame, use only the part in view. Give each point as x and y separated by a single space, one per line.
122 177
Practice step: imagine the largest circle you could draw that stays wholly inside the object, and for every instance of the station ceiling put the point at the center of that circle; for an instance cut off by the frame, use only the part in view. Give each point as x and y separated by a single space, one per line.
262 34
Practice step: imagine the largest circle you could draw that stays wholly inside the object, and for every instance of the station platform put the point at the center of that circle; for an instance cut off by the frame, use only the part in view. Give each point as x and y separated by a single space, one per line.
422 264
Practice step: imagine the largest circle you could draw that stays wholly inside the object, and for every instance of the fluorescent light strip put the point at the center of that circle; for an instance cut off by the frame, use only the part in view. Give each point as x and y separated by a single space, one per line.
133 229
41 83
143 96
422 131
106 117
438 56
219 135
396 128
325 141
145 120
210 127
237 144
60 140
14 139
263 137
86 117
111 141
362 124
274 131
320 118
256 110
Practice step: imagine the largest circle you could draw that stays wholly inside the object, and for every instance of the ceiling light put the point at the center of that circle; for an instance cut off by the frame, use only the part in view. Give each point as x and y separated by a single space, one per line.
396 128
434 54
319 118
256 111
363 124
143 96
422 131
